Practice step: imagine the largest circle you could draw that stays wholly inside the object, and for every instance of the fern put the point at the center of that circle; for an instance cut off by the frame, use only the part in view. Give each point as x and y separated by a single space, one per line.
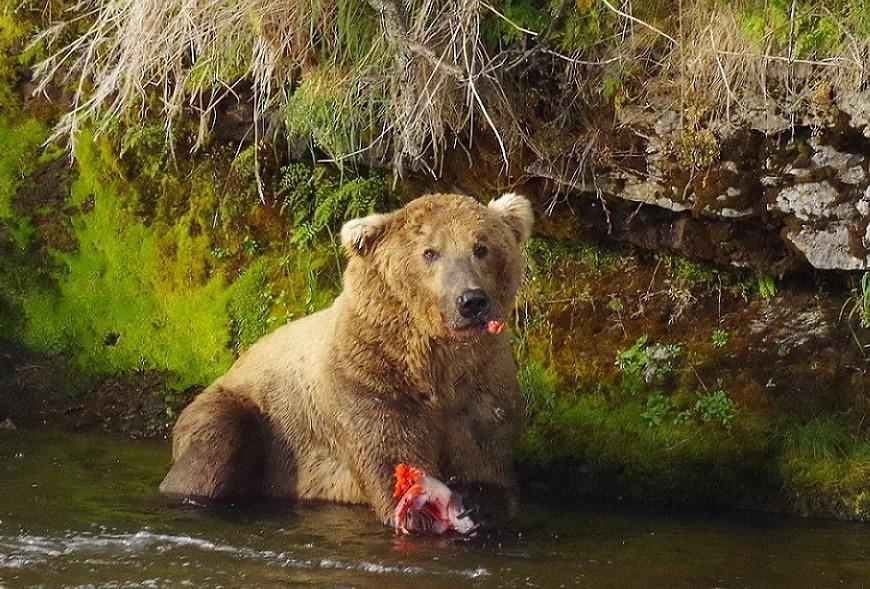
318 201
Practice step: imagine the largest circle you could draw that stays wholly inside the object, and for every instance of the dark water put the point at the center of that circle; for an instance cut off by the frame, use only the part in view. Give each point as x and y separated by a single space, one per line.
80 511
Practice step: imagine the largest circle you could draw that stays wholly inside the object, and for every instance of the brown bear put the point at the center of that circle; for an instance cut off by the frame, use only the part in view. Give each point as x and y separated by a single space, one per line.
401 368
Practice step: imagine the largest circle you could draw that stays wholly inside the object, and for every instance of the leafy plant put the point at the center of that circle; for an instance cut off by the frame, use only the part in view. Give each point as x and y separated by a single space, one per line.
250 245
656 409
715 406
644 363
766 286
341 114
720 338
858 305
317 201
799 27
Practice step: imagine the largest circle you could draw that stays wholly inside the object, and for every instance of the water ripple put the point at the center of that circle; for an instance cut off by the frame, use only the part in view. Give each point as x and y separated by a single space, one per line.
25 550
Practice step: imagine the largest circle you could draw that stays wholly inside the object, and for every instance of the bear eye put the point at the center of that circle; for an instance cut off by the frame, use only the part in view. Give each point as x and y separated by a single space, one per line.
480 250
430 255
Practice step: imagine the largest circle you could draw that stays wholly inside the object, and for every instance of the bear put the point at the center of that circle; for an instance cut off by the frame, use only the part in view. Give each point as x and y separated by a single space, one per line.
402 368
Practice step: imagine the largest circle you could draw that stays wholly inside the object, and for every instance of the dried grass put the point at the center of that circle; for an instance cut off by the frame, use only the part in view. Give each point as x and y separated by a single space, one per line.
406 78
426 67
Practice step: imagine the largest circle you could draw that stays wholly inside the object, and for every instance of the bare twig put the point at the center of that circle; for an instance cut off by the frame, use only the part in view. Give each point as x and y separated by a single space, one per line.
640 22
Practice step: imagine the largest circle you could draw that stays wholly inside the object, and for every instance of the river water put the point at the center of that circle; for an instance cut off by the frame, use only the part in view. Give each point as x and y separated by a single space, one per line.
83 511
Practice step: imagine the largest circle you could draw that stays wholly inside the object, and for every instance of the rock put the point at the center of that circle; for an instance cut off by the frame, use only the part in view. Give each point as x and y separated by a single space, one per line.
650 193
8 424
854 175
828 249
827 156
730 213
857 106
793 328
826 238
801 176
669 122
812 200
768 121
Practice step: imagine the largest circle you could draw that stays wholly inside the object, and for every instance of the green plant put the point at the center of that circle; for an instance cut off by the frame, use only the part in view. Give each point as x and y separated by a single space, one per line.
715 406
858 306
697 149
685 272
800 26
820 437
337 111
526 14
720 338
645 363
684 416
656 408
766 286
19 153
250 245
318 201
539 386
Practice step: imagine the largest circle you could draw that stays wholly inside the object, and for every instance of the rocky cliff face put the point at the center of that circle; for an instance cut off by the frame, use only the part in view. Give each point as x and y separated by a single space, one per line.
765 189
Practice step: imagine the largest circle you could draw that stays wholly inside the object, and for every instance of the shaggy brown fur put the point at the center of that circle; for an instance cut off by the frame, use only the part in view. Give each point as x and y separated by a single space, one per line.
324 407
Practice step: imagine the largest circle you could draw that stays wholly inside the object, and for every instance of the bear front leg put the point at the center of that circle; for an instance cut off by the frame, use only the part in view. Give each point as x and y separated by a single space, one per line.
378 440
491 505
481 445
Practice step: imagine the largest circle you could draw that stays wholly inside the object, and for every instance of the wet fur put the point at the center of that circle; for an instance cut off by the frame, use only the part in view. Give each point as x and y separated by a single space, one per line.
326 406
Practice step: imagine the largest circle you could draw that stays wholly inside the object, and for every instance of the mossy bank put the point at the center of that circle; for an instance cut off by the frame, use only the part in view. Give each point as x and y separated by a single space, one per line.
135 272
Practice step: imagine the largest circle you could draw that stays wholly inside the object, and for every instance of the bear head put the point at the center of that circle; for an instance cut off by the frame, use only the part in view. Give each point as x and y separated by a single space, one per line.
453 264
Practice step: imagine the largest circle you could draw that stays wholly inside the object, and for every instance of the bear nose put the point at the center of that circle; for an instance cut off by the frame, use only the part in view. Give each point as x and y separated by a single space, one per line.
473 303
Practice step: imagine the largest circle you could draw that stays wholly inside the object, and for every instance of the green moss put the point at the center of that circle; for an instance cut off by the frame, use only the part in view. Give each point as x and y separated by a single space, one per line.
11 31
162 302
570 26
279 288
642 423
696 149
20 134
20 142
118 305
559 269
826 466
221 68
612 443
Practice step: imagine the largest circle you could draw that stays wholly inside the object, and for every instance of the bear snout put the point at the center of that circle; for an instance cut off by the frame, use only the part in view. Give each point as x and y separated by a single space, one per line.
473 304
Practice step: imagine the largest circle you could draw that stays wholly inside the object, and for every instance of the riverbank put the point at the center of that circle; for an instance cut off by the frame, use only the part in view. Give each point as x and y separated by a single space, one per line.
674 347
43 393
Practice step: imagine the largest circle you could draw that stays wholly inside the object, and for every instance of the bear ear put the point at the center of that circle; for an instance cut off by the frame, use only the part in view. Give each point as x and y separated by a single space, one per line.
359 236
517 212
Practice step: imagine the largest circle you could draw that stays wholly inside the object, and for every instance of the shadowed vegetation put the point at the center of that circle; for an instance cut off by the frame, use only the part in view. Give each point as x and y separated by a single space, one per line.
685 415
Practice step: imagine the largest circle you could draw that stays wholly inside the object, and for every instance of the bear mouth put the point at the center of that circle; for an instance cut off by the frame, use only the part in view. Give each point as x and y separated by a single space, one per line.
479 325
